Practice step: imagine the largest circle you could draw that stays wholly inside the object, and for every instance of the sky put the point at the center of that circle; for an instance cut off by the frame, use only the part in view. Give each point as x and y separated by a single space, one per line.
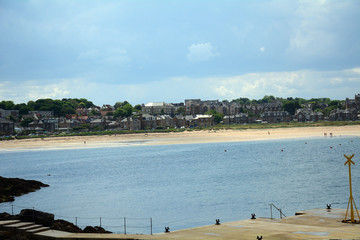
170 50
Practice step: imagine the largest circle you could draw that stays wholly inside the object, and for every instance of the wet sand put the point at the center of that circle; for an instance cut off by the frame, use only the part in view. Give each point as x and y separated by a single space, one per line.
186 137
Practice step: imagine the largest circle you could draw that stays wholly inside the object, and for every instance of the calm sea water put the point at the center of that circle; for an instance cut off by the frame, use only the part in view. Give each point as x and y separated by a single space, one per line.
183 186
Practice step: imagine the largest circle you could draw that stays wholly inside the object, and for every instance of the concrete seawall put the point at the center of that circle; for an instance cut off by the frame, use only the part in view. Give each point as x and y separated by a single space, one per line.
309 224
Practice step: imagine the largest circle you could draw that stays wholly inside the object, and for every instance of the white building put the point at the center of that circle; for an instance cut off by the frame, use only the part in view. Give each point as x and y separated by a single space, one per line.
158 108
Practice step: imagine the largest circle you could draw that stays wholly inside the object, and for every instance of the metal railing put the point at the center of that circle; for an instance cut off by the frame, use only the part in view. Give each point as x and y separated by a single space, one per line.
279 210
123 225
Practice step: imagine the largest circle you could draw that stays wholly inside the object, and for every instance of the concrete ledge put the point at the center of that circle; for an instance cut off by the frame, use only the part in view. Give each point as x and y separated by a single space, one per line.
17 225
37 230
8 222
310 224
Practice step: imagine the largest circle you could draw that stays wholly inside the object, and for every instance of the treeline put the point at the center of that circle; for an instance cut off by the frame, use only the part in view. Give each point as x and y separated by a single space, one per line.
60 107
125 109
68 106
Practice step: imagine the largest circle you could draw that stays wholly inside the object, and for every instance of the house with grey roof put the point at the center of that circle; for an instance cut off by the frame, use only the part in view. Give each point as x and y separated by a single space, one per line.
130 123
275 116
165 121
6 127
201 120
7 113
349 114
306 114
239 118
148 121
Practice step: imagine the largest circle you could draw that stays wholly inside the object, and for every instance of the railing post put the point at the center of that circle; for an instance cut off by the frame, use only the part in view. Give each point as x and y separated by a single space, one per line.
151 226
75 221
100 221
125 225
280 211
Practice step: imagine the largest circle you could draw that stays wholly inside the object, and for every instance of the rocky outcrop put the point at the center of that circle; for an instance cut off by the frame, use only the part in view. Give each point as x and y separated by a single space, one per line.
14 187
47 219
66 226
30 215
96 229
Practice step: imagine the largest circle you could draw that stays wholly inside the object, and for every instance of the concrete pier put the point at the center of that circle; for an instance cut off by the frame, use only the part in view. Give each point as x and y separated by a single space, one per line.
309 224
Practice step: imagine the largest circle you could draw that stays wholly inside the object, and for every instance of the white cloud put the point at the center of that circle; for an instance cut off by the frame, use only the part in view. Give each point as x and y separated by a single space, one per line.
262 49
223 91
355 70
316 30
304 83
200 52
33 90
111 55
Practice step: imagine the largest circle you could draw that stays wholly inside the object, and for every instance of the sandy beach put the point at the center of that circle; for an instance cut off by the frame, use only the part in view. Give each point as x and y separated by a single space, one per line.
186 137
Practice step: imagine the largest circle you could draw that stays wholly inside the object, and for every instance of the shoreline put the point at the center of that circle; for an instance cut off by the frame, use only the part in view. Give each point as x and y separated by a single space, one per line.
186 137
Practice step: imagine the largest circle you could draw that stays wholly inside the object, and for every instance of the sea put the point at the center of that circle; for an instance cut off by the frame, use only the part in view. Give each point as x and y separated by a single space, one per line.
137 188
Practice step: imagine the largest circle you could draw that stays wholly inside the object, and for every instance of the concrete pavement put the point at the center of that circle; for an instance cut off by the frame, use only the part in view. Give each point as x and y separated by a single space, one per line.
309 224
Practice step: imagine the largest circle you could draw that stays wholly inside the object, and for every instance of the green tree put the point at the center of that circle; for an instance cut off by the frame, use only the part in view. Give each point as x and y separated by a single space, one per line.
93 112
24 110
25 122
128 109
315 106
268 99
88 104
218 117
291 106
67 109
300 100
82 105
137 107
120 104
57 106
44 104
31 105
19 106
124 111
335 103
11 118
180 110
7 105
242 100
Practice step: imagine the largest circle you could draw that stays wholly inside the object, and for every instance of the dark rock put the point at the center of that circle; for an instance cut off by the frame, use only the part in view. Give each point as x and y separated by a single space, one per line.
13 187
89 229
7 216
97 229
43 218
47 219
66 226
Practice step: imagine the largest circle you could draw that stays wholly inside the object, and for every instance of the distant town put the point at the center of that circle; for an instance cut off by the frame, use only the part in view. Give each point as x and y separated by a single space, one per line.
47 116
